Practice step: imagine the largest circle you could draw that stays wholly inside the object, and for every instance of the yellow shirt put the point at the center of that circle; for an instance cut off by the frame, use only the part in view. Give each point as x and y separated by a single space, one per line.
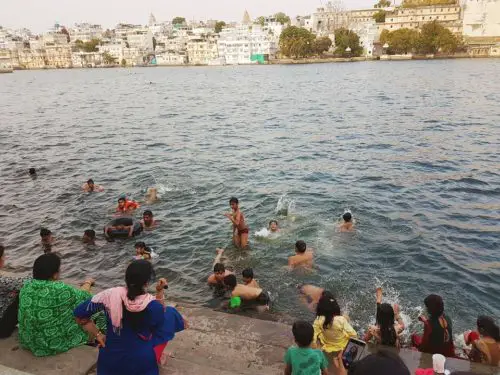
335 337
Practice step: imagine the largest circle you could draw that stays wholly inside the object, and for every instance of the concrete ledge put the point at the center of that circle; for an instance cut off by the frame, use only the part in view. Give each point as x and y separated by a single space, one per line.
10 371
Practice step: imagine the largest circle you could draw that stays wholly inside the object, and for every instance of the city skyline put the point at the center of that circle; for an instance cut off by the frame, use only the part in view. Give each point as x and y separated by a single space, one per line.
39 16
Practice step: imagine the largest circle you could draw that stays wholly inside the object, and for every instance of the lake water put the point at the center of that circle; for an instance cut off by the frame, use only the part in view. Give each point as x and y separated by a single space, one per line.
412 148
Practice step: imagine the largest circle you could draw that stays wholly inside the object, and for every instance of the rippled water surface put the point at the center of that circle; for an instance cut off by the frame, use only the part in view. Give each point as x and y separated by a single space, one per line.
411 148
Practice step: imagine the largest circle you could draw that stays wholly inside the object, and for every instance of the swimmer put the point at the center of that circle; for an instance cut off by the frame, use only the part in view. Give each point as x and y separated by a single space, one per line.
248 279
46 239
273 226
217 278
151 195
89 237
148 222
128 228
126 206
310 295
32 172
303 257
240 229
348 224
89 186
142 251
251 297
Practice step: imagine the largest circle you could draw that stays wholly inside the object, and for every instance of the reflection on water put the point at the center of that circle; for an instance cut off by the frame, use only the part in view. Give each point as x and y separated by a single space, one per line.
412 149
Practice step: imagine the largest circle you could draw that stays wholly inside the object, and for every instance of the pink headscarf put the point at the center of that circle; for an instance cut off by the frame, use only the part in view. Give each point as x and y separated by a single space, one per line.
114 299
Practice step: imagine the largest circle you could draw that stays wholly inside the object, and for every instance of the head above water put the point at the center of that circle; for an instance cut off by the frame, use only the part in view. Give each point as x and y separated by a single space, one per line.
327 307
487 327
140 246
147 216
138 275
230 282
88 236
303 333
32 171
90 183
219 269
384 362
434 305
273 225
247 275
2 257
347 217
46 235
300 247
47 267
233 202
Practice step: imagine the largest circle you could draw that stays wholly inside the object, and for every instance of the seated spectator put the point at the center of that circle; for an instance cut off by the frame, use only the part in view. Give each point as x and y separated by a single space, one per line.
485 342
331 329
384 362
9 299
438 333
46 322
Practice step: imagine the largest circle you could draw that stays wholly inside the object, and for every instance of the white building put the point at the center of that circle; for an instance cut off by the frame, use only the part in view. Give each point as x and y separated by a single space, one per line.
113 49
85 32
481 18
202 49
140 38
171 58
54 39
368 33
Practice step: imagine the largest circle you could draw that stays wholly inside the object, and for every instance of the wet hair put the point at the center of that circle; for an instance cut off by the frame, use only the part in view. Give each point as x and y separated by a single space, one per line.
327 307
230 281
122 199
44 232
434 305
147 212
32 171
303 333
140 244
247 273
347 216
219 267
385 321
233 200
381 363
90 181
2 250
300 246
487 327
273 221
46 266
89 233
137 275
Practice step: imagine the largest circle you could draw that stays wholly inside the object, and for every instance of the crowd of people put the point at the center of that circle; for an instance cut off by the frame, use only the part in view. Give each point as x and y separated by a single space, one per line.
133 327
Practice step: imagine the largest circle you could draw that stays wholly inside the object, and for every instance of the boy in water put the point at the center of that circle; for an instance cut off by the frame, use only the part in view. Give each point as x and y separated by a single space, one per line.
251 297
126 206
347 225
142 251
89 186
301 359
89 237
217 278
46 239
273 226
240 229
148 221
248 278
151 195
303 257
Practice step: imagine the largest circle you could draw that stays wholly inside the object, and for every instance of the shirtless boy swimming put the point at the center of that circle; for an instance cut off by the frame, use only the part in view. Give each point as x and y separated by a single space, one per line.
250 296
217 278
303 257
348 224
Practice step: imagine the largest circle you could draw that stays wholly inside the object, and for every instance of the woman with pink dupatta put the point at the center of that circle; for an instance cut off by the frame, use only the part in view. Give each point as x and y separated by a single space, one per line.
138 325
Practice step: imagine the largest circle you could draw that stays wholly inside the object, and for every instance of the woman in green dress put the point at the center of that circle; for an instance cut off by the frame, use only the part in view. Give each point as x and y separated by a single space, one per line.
46 322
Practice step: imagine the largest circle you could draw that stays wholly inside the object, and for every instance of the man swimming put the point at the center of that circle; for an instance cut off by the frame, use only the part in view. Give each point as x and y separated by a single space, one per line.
348 224
46 239
89 237
240 229
126 206
148 222
217 278
250 296
303 257
273 226
89 186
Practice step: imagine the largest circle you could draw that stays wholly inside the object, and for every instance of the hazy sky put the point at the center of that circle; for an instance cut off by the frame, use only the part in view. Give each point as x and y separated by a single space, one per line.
39 15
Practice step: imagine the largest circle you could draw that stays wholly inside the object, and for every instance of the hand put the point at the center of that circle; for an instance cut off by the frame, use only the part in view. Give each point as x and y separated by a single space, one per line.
338 365
160 285
228 215
89 281
101 340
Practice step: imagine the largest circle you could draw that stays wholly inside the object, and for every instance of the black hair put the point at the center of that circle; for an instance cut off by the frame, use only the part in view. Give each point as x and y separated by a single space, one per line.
385 321
247 273
300 246
32 171
381 363
46 266
140 244
89 233
303 332
327 307
90 181
434 305
219 267
147 212
487 327
347 216
233 200
45 232
230 281
138 274
122 199
273 221
2 249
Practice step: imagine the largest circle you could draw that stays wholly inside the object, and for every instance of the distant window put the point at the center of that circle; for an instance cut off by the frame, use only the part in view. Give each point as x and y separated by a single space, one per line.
391 26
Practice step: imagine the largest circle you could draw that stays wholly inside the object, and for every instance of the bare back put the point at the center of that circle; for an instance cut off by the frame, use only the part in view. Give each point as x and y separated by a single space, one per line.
246 292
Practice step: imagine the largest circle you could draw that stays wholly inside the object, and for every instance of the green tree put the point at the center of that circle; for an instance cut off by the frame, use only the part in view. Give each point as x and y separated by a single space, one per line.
383 4
124 63
344 39
219 26
434 37
108 59
261 20
322 45
400 41
65 31
379 17
296 42
282 18
178 21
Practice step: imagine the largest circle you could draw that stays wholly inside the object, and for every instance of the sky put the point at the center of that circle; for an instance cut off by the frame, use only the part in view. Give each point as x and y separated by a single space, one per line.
40 15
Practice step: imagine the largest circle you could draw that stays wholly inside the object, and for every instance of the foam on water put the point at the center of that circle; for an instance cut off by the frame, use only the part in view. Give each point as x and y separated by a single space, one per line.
285 206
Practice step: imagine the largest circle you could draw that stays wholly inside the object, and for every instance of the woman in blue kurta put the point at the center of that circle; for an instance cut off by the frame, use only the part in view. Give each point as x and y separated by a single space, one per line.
137 323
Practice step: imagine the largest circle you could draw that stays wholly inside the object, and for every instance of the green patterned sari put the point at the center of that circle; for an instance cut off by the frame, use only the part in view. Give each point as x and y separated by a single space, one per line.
46 322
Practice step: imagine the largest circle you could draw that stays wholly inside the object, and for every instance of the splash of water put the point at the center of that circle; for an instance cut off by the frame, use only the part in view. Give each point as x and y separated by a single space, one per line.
285 206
